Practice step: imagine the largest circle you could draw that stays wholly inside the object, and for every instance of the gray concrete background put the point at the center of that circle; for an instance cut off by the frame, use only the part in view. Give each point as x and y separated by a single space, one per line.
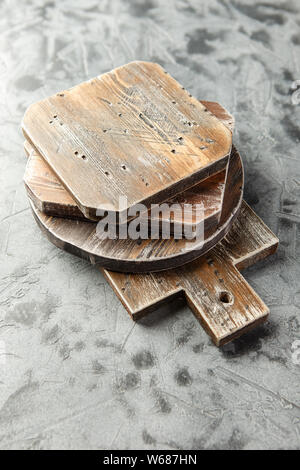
75 371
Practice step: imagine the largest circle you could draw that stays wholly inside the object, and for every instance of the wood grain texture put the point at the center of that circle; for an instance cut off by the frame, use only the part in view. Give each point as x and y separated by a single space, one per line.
45 190
50 197
221 299
127 255
81 238
133 131
220 112
232 187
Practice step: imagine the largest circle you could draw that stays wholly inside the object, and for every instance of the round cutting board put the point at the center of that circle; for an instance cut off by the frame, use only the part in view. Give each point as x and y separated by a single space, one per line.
81 238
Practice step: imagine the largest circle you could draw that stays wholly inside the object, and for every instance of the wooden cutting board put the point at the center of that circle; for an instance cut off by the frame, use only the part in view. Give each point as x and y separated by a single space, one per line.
126 255
133 131
50 197
221 299
142 255
45 190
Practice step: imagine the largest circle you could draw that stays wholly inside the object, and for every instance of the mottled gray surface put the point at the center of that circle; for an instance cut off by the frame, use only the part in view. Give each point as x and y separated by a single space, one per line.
75 371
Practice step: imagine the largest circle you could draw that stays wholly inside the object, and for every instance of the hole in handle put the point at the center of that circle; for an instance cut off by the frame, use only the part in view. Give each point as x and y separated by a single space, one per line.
226 297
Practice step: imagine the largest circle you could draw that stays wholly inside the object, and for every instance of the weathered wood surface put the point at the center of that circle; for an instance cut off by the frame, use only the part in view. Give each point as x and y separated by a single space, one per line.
45 189
133 131
233 186
127 255
221 299
50 197
220 112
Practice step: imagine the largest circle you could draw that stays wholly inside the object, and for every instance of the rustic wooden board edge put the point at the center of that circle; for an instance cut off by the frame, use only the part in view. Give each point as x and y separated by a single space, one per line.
70 210
44 205
256 256
89 217
266 246
137 265
225 339
138 314
234 184
169 191
218 110
142 265
211 262
181 293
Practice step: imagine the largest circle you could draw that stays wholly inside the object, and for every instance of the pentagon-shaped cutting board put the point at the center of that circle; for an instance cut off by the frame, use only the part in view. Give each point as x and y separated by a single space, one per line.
131 132
50 197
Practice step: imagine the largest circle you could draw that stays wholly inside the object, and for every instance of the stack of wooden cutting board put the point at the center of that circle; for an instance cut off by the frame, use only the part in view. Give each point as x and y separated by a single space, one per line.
131 138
